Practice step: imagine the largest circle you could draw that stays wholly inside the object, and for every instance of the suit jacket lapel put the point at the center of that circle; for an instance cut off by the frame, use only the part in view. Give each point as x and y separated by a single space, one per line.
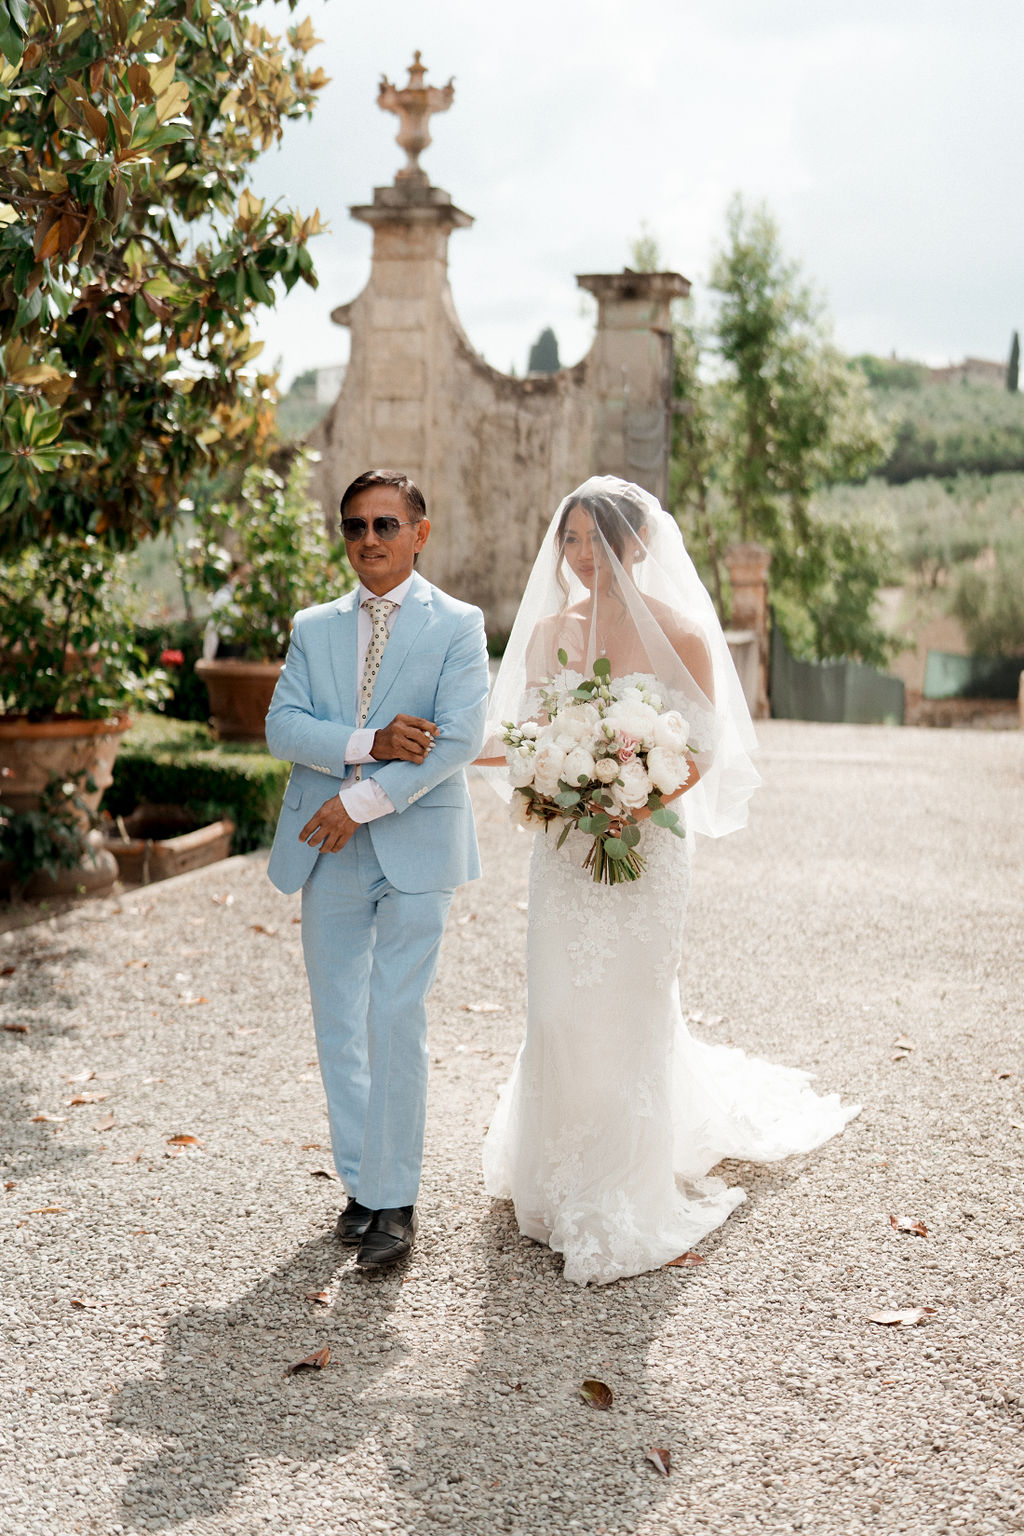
344 652
410 619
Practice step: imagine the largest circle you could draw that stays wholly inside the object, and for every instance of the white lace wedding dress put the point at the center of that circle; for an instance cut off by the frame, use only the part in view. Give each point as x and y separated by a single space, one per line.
614 1114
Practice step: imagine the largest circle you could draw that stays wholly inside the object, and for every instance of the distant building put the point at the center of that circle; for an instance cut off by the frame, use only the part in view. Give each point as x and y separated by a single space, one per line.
973 370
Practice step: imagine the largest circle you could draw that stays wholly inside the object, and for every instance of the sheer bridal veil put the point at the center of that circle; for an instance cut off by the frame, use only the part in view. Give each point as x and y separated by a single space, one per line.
613 579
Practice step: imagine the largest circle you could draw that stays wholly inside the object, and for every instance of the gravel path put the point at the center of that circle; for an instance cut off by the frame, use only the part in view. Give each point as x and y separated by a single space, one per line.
152 1295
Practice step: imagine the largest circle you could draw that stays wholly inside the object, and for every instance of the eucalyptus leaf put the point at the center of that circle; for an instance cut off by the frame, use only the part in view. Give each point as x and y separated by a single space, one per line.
615 848
563 658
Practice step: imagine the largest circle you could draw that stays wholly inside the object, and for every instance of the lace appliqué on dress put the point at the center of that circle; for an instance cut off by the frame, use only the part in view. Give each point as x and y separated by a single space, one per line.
614 1115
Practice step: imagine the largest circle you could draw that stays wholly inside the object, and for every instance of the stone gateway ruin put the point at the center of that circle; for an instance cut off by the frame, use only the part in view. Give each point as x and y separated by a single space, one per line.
493 454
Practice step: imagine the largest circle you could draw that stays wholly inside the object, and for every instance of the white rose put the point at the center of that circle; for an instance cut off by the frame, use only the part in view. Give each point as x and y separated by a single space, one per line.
578 763
669 770
530 729
671 731
547 768
578 720
634 719
606 769
635 786
520 766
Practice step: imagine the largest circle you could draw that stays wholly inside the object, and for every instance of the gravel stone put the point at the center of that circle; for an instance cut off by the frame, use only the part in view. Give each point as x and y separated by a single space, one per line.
152 1295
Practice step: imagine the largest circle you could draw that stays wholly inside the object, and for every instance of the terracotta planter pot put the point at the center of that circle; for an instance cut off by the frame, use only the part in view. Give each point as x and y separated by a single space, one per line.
163 841
240 694
31 754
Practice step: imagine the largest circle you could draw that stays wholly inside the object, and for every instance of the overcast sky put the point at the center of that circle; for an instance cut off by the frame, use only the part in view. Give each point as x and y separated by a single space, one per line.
884 135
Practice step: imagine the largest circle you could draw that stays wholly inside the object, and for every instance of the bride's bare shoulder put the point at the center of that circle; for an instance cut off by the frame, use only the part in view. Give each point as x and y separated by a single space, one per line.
687 639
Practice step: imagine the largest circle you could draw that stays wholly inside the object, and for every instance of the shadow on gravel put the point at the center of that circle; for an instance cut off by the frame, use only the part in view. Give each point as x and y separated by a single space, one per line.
478 1427
32 1022
481 1427
222 1402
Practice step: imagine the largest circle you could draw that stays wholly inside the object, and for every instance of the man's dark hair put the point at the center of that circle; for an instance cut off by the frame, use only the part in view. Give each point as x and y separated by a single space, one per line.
409 491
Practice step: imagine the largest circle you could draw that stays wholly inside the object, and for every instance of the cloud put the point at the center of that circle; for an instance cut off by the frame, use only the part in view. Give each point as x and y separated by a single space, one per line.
885 140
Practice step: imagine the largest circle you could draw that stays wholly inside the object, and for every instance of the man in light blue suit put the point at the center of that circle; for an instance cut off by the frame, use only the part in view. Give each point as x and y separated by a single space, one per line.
380 707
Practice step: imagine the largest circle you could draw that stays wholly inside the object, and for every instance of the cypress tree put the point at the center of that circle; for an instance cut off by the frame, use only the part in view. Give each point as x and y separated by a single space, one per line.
544 353
1013 366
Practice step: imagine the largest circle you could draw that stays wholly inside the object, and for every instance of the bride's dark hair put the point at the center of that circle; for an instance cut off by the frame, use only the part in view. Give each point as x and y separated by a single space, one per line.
615 516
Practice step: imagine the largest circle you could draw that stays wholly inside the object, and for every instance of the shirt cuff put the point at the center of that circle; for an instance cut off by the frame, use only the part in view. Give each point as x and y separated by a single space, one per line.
359 746
365 800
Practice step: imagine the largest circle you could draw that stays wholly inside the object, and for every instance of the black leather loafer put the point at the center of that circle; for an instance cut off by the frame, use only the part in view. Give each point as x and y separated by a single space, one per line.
389 1238
353 1223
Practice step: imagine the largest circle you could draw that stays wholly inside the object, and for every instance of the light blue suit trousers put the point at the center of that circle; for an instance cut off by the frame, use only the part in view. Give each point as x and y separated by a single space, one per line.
373 915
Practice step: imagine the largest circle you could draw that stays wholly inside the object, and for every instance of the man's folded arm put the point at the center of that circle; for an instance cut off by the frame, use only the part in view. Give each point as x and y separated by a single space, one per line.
459 713
293 731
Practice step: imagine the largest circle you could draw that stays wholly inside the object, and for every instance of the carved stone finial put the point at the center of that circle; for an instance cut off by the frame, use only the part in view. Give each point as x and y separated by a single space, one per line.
414 105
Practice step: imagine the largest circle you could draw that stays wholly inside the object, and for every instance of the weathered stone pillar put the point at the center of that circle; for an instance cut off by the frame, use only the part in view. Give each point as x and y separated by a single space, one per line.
748 565
630 375
494 455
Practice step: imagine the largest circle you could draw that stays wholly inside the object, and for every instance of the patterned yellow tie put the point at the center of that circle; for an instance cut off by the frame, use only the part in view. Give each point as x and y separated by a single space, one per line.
378 608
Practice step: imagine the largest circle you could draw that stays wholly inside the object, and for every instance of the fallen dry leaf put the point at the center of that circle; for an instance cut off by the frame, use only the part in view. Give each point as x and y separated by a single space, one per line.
1002 1076
16 1029
106 1124
49 1210
84 1301
322 1173
660 1458
483 1008
311 1146
320 1297
56 1119
183 1141
596 1394
314 1362
81 1077
903 1044
88 1098
296 919
8 970
192 1002
684 1261
908 1224
10 1184
900 1056
223 901
905 1317
259 928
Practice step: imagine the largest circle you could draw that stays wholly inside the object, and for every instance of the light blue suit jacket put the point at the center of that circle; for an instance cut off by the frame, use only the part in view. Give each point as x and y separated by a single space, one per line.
434 666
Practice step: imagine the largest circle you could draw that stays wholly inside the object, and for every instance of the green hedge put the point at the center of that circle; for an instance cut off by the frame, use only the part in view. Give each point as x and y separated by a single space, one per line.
174 762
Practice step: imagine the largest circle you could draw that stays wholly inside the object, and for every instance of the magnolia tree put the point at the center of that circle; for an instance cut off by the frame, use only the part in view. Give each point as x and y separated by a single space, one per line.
132 254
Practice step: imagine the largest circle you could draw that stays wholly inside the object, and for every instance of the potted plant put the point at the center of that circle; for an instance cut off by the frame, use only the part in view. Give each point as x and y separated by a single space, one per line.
69 672
260 558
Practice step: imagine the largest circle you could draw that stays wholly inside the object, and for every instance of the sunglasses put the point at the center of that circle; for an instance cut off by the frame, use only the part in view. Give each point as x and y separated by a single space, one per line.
354 528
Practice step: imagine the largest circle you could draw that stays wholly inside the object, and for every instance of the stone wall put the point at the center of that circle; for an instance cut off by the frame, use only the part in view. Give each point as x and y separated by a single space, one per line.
493 454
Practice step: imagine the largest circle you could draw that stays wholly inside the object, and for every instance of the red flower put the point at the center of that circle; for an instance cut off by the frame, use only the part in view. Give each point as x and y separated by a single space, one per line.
172 658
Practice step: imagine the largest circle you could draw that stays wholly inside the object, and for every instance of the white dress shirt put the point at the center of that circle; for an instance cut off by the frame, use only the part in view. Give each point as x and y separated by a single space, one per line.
364 799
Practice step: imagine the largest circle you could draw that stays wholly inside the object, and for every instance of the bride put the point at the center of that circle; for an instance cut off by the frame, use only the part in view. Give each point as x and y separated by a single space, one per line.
614 1114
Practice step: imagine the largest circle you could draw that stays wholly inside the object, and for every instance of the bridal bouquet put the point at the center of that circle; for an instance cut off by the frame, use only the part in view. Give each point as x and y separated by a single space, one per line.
610 747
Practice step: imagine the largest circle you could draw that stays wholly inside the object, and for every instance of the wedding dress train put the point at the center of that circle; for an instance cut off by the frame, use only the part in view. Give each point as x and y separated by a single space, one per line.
614 1114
